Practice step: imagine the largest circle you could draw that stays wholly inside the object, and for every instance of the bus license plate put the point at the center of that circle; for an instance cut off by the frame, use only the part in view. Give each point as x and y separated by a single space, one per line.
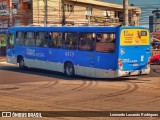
135 64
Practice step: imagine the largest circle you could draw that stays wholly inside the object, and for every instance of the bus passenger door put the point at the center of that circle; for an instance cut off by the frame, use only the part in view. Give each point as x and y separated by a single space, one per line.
10 54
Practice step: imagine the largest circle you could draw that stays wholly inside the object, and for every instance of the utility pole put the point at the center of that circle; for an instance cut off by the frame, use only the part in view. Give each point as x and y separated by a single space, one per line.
10 12
89 15
3 11
63 13
132 17
125 9
45 12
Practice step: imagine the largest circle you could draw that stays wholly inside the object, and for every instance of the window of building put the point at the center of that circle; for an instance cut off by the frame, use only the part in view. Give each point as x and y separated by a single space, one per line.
70 40
107 13
20 38
86 41
3 6
116 14
41 39
69 8
29 39
29 6
105 42
16 6
56 40
88 10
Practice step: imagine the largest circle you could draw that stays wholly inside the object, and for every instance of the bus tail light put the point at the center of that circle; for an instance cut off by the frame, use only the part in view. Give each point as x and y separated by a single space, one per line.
120 64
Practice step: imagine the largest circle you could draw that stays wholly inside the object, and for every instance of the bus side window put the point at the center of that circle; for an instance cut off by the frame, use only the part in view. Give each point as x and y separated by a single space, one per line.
70 41
41 39
105 42
86 41
20 38
29 39
55 40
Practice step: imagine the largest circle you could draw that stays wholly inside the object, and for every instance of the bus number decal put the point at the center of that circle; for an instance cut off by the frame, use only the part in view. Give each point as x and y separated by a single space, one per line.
69 54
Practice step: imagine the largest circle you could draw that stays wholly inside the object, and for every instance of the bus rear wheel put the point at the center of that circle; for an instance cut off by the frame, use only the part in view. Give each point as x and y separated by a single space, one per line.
69 69
21 64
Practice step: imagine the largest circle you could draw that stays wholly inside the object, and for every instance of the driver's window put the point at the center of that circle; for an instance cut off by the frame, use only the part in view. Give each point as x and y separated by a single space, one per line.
10 41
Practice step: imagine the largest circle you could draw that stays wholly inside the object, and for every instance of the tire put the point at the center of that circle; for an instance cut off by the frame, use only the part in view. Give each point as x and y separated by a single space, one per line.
69 69
21 64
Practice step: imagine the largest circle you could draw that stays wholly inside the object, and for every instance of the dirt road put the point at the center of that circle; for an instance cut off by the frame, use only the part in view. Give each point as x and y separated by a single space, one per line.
39 90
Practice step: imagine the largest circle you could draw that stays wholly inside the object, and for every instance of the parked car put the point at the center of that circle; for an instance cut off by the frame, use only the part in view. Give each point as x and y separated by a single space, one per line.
155 59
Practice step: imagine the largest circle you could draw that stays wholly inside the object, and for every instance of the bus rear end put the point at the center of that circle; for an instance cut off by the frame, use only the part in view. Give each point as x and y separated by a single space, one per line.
134 51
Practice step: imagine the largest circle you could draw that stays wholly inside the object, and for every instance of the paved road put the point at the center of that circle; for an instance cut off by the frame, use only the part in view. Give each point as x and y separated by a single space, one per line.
40 90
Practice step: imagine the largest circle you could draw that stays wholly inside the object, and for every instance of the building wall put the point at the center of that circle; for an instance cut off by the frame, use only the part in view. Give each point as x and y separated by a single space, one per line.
79 15
154 21
21 15
4 16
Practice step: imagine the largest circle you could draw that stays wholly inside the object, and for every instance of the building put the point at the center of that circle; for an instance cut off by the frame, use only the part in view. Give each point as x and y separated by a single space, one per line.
154 21
15 13
154 26
81 12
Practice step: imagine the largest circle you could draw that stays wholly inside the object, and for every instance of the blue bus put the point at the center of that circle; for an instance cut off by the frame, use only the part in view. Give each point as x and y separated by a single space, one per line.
92 51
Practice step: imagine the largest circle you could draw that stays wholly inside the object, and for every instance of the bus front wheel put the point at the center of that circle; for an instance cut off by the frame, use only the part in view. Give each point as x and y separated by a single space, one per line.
21 64
69 69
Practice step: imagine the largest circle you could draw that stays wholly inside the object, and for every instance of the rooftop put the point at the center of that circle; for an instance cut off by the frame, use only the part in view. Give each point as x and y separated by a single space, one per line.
104 4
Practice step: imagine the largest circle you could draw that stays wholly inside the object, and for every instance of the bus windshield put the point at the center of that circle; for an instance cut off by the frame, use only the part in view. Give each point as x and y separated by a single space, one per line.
131 37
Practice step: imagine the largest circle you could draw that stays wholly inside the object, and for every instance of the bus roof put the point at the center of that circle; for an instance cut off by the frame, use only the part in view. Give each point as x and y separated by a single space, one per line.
71 28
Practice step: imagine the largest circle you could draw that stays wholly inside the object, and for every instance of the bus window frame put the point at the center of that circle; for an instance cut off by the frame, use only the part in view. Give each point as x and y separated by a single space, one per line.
26 38
50 40
113 41
78 45
64 46
47 40
20 38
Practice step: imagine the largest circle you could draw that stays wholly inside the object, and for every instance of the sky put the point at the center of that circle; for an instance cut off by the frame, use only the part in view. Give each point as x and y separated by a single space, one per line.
147 6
